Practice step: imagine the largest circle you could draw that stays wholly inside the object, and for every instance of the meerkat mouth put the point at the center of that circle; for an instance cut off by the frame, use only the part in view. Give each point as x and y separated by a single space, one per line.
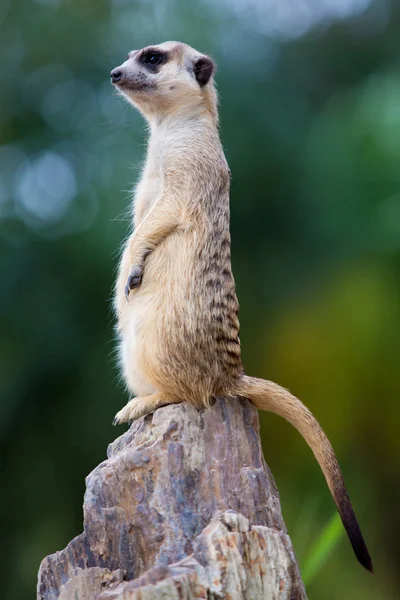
135 88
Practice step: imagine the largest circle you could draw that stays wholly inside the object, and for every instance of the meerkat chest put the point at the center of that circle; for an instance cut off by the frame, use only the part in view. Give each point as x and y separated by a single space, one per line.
149 189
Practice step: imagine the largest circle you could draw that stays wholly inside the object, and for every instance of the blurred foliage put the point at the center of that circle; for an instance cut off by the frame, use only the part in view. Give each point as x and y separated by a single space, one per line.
322 548
310 119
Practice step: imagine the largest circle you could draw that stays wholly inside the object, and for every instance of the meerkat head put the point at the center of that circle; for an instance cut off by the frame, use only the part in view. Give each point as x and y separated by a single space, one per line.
166 79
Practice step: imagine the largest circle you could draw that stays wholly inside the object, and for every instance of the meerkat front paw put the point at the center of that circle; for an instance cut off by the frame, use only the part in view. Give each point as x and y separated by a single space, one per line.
134 279
136 408
128 413
140 407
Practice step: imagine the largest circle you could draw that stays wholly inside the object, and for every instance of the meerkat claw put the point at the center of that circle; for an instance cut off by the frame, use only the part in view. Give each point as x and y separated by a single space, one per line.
121 417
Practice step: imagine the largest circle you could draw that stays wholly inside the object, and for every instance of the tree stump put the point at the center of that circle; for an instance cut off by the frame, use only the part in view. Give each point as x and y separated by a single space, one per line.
184 507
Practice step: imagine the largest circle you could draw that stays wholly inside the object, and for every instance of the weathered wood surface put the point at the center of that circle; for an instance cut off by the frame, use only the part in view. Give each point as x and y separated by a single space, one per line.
184 507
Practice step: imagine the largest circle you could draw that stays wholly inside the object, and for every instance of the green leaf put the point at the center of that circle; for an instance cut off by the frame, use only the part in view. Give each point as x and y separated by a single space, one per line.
322 547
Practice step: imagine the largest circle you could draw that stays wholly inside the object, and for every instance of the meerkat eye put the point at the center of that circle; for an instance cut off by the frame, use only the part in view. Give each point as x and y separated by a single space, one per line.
152 58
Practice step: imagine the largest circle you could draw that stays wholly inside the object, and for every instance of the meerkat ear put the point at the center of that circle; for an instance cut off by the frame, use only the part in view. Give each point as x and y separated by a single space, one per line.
203 68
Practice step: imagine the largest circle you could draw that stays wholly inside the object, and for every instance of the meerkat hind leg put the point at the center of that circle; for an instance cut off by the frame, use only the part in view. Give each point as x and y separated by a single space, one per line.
140 407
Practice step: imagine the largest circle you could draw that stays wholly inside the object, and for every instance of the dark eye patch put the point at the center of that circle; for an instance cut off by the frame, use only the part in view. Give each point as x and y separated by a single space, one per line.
153 59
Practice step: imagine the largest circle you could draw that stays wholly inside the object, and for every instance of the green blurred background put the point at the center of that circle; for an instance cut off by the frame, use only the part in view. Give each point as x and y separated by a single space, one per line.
310 116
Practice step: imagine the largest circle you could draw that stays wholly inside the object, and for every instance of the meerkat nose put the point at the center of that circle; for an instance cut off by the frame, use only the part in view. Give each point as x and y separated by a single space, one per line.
116 75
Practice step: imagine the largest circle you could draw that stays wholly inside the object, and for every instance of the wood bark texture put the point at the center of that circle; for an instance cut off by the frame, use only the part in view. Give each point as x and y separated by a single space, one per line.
183 508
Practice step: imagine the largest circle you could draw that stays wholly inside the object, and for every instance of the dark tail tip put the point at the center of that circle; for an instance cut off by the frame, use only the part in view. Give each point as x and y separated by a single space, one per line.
352 527
360 549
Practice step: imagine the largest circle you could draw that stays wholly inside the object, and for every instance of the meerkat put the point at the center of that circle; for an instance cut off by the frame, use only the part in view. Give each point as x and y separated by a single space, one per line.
175 299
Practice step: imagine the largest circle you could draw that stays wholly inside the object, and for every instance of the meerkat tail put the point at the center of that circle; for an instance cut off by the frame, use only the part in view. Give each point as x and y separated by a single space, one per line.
271 397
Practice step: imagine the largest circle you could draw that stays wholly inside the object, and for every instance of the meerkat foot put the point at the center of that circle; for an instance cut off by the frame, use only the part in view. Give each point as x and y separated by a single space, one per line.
134 279
140 407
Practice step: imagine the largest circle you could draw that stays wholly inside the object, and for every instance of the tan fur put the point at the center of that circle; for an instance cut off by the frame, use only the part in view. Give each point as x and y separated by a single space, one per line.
179 329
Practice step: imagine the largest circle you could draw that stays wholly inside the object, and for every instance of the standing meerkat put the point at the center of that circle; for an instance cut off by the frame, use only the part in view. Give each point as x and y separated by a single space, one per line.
175 298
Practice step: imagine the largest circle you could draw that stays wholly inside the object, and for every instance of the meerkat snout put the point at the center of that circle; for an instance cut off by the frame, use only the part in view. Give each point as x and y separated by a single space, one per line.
116 75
